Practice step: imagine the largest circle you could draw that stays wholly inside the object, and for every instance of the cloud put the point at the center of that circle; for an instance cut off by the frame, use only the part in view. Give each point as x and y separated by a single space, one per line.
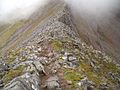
12 10
96 9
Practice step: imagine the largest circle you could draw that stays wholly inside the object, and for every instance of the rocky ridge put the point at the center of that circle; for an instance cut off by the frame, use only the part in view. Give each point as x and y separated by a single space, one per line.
55 58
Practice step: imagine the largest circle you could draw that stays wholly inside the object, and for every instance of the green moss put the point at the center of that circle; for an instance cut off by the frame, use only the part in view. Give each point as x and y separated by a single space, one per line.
72 75
24 58
88 71
11 57
10 60
13 73
57 45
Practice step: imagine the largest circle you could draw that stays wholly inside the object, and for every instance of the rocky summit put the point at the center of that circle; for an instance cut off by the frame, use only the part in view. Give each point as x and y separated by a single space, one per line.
55 58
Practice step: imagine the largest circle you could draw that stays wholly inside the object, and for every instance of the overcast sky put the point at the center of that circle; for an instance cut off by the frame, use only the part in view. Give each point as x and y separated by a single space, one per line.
95 8
11 10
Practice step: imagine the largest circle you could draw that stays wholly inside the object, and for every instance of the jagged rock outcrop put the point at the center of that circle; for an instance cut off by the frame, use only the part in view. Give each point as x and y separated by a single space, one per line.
54 58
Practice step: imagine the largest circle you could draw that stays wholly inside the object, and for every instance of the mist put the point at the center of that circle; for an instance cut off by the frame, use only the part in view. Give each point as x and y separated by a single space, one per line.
13 10
91 14
94 9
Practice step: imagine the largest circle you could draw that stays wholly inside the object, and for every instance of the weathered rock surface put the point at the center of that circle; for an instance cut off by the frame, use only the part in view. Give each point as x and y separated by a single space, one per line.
52 83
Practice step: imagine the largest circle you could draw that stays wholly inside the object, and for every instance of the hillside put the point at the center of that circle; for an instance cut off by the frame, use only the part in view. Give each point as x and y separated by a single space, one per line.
12 35
103 35
46 52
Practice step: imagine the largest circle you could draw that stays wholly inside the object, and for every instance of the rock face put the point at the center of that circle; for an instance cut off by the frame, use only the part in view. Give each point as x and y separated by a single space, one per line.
54 58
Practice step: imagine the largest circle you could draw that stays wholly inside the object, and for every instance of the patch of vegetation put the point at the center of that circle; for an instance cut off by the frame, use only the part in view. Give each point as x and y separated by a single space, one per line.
73 76
13 73
89 72
97 73
57 45
24 58
5 36
11 57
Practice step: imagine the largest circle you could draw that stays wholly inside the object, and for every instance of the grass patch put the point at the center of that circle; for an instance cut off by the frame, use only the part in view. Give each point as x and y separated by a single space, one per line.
88 71
6 35
57 45
73 76
13 73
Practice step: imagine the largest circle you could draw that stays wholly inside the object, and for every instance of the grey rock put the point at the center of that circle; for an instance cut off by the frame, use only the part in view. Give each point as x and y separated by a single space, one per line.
39 67
25 82
39 49
69 82
65 58
86 84
1 84
104 86
4 67
43 60
72 58
16 85
52 83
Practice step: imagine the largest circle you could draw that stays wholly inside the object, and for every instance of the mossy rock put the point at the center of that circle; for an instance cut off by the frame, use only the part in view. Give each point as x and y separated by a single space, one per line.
13 73
73 76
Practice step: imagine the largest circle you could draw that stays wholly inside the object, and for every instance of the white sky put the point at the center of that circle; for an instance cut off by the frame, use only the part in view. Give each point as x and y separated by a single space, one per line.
97 8
11 10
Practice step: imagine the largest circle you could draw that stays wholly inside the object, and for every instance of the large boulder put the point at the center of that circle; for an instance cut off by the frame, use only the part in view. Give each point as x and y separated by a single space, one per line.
52 83
25 82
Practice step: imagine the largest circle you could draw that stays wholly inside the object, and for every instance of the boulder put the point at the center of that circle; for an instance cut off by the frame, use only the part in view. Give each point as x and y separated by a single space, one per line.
1 84
39 67
52 83
72 58
86 84
25 82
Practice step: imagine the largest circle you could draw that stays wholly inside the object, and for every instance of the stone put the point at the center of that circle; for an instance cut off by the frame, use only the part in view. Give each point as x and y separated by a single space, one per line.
43 60
39 49
1 81
30 68
104 86
32 56
71 64
92 64
17 85
69 82
65 58
4 67
67 54
39 67
50 54
72 58
52 83
1 84
85 83
25 82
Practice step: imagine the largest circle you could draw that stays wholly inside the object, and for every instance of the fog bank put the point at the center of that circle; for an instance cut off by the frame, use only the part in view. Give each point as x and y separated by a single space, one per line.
12 10
95 9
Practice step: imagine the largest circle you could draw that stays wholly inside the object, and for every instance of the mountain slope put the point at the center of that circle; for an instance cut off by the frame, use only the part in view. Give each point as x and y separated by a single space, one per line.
14 34
104 35
53 57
